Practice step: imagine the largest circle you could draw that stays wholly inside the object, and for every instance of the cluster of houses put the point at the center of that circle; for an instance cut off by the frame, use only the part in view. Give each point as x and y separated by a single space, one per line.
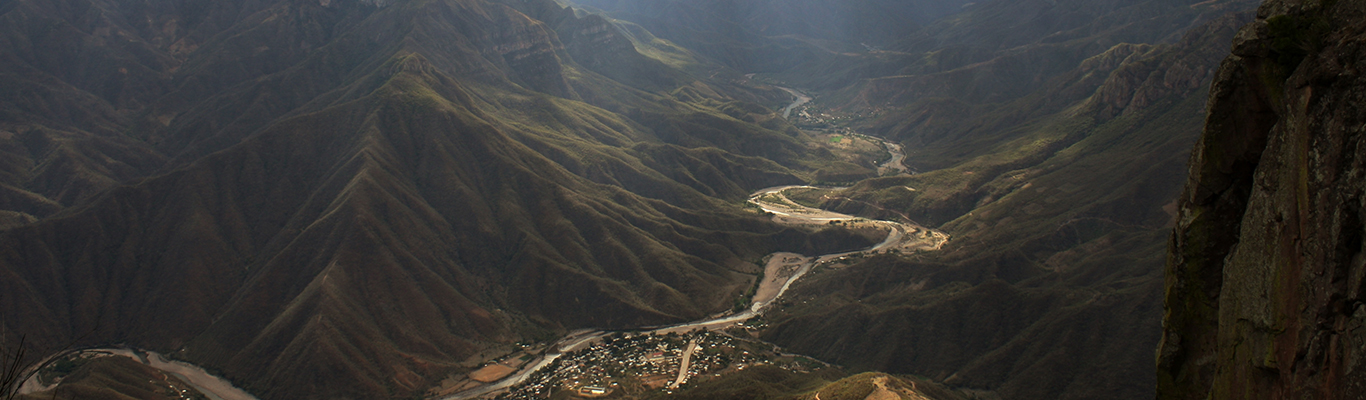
640 363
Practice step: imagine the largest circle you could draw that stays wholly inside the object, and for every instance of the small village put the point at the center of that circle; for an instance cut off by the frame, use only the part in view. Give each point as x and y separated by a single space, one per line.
814 117
636 365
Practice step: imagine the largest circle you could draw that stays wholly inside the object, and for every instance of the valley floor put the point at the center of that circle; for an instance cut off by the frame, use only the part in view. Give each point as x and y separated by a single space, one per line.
641 362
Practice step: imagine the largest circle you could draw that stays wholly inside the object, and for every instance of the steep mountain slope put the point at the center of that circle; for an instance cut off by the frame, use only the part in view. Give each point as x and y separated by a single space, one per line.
1264 275
359 198
998 51
349 199
774 36
871 21
1058 203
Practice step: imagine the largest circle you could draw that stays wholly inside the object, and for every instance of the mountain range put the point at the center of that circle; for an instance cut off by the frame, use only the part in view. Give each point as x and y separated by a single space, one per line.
1059 202
331 199
336 199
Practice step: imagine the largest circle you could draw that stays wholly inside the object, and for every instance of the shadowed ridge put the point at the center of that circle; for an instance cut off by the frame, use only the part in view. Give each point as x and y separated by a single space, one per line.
373 245
362 208
1058 203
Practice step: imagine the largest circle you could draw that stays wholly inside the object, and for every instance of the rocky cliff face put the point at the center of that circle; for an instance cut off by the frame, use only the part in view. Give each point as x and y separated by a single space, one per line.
1265 273
1052 286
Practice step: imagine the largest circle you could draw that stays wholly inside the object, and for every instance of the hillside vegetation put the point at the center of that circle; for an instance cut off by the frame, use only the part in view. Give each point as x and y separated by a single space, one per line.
361 198
358 198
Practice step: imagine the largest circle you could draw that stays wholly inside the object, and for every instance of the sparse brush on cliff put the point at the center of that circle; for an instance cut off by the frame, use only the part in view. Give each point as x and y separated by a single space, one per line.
1264 293
13 363
1293 37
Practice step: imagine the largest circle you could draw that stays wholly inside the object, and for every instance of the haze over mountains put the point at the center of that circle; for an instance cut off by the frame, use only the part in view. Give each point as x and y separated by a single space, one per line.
1053 140
359 198
329 199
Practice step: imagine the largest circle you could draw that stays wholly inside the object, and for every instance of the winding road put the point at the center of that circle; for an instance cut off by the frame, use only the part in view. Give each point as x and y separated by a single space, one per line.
790 213
787 212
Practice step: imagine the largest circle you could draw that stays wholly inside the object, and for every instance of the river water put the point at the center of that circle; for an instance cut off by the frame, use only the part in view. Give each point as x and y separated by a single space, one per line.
801 99
895 149
213 387
577 340
217 388
573 341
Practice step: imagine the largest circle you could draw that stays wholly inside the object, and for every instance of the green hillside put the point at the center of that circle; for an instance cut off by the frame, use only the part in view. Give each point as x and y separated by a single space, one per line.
373 198
354 198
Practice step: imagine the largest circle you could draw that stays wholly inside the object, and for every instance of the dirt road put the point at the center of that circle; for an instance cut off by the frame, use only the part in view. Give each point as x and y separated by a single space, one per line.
781 272
683 368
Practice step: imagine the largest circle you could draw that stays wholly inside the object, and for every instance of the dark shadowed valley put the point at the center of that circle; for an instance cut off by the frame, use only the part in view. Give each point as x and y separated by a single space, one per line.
681 199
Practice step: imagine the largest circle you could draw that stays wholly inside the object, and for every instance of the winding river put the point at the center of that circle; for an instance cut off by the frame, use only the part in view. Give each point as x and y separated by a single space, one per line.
785 211
213 387
895 163
802 98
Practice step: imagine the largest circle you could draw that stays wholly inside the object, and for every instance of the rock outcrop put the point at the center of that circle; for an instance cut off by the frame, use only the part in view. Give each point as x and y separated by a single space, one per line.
1052 285
1265 295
